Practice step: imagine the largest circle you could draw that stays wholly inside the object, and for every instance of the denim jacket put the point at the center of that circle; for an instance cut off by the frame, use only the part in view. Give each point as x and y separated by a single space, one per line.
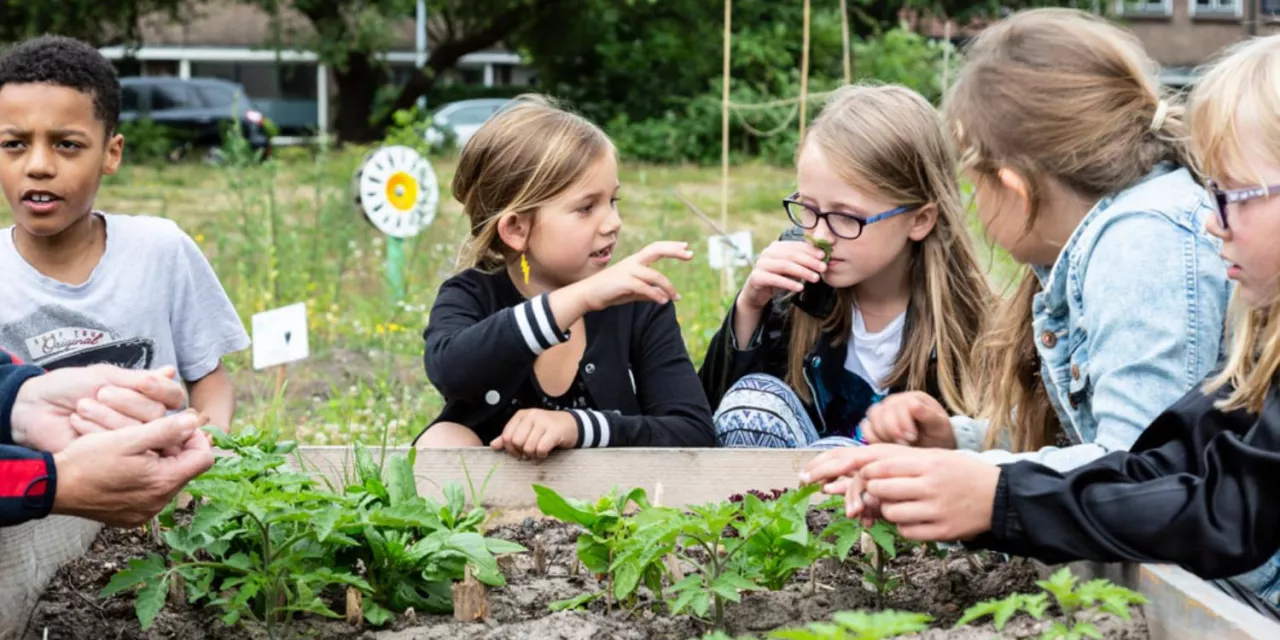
1128 320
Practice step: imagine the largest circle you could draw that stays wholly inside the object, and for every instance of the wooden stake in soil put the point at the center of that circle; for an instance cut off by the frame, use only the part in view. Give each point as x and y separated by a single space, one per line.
539 556
469 601
177 590
355 606
672 562
281 377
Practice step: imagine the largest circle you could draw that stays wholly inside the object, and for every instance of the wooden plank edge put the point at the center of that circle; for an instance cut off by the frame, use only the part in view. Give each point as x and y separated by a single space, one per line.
687 475
1182 605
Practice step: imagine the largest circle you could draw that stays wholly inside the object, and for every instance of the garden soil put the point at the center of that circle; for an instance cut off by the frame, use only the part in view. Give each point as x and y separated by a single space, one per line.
942 588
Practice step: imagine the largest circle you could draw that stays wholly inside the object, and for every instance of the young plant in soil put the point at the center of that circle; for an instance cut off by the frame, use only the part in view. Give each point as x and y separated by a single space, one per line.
607 534
266 543
849 625
251 548
752 541
847 533
1095 595
411 548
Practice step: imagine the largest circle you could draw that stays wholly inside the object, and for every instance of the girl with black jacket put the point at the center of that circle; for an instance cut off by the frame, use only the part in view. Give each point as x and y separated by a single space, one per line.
895 302
538 344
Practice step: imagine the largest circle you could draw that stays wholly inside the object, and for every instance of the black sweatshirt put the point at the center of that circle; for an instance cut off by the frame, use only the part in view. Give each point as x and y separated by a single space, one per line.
483 337
1197 489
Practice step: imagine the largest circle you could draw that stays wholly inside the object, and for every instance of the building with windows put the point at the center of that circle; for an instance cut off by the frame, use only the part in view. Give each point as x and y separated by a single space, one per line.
1180 34
233 41
1183 34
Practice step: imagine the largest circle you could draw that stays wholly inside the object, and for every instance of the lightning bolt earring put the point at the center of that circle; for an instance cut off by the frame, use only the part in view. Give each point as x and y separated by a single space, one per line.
524 268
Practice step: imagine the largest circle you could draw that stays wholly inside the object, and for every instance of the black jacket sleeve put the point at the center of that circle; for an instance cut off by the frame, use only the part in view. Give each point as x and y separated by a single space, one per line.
471 350
28 479
673 408
1197 490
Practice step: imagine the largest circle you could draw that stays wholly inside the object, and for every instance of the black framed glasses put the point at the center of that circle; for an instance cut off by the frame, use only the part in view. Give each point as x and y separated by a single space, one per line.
1226 197
842 224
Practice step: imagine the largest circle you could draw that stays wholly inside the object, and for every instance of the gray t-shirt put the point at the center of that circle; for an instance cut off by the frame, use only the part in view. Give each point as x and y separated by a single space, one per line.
152 300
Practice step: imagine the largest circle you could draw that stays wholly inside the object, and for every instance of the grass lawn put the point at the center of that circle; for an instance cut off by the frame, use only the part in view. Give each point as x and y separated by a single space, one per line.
288 232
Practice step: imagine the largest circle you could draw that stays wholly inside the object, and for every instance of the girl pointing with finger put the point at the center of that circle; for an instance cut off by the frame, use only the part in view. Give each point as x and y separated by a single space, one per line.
539 343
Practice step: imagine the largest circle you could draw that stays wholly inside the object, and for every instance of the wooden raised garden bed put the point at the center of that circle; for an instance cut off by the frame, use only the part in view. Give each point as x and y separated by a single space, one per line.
550 569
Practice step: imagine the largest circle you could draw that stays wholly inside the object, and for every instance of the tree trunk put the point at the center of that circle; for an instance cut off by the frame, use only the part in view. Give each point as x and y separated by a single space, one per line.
356 86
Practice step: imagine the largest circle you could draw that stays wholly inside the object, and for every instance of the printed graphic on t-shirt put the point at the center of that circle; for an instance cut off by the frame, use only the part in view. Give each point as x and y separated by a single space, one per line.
55 337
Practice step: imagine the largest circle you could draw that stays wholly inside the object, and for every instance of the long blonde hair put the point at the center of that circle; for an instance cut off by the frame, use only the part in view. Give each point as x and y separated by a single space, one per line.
520 159
889 140
1248 75
1052 94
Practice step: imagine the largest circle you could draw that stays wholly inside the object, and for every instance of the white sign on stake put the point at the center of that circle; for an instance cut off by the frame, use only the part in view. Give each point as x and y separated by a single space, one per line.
733 249
280 336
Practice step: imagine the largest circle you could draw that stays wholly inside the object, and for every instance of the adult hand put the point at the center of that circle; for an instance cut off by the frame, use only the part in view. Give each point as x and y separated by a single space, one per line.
54 408
117 478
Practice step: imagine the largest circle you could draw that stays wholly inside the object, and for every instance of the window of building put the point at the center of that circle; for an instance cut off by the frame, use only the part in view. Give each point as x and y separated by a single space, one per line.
1144 7
1215 7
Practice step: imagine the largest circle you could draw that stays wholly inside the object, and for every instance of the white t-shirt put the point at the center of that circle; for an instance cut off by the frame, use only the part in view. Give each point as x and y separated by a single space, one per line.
153 300
873 355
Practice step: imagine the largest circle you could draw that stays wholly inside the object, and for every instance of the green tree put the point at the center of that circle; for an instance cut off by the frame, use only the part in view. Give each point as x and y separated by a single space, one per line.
98 22
349 35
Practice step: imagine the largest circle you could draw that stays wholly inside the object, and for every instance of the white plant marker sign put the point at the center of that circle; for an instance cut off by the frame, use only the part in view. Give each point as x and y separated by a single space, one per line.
397 191
729 251
280 337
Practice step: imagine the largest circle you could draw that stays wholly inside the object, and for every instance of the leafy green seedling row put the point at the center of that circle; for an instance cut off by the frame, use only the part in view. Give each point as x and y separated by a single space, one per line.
266 543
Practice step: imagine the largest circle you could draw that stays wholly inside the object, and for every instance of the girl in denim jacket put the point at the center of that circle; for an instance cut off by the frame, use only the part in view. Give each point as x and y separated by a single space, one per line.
1081 175
1198 487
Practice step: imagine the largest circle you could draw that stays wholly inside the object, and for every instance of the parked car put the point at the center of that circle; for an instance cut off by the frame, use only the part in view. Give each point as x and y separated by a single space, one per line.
196 110
456 122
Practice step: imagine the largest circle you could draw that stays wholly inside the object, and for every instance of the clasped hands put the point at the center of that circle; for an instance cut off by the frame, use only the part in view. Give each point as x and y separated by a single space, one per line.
930 493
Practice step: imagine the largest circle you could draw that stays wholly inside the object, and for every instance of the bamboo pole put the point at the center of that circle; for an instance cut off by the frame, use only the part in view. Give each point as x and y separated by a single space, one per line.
844 34
804 73
946 59
727 279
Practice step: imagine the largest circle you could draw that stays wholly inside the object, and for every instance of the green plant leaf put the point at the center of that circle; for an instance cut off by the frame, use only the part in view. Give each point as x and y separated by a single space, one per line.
369 474
401 484
593 553
326 521
407 514
498 546
728 585
701 603
885 536
150 600
553 505
375 614
882 624
139 572
208 516
576 602
625 580
455 499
